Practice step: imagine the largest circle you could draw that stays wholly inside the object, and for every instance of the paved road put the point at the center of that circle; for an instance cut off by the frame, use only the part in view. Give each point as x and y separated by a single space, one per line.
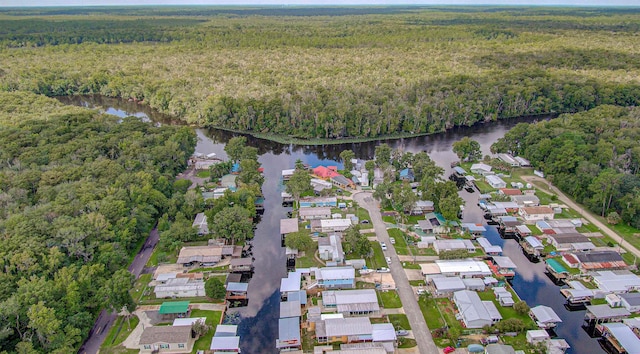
106 319
409 303
585 213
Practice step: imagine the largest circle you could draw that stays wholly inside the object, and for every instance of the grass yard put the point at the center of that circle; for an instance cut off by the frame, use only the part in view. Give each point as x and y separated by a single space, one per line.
506 311
401 243
203 173
430 312
546 198
213 319
399 321
308 261
417 282
377 261
363 214
406 342
120 331
389 299
389 219
409 265
139 286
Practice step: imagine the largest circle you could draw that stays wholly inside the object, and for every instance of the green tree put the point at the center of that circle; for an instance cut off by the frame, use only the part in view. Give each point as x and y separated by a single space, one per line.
613 218
300 240
249 173
521 307
199 327
299 183
346 156
235 148
214 288
233 224
383 155
43 321
115 291
467 149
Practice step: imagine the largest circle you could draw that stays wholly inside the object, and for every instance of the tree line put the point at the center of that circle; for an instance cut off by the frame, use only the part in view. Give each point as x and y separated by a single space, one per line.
592 156
79 192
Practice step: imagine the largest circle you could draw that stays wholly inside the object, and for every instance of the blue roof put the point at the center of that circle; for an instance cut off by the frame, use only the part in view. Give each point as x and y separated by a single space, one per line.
406 173
460 170
235 167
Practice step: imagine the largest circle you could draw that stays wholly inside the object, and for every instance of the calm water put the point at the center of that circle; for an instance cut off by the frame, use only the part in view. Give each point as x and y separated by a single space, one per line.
259 325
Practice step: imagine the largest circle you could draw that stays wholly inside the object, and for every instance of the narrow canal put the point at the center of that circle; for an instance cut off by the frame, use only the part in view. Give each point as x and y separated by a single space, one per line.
259 326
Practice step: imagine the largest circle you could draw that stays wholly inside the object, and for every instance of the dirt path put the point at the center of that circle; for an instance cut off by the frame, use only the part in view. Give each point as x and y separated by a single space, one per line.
546 185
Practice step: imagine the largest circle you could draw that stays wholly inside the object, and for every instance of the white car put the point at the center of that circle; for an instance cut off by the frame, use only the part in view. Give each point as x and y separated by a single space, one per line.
383 245
383 270
388 259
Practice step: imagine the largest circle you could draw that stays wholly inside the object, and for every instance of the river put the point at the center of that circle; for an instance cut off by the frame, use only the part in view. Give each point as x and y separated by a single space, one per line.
259 320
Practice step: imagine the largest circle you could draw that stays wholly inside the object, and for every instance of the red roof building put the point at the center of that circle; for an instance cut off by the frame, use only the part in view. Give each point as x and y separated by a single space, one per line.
326 172
510 191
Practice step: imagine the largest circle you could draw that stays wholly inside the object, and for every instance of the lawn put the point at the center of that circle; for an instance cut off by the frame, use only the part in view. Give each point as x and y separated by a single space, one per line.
417 282
389 299
401 243
409 265
213 319
203 174
363 214
399 321
430 312
389 219
506 311
139 286
404 342
120 331
308 262
377 261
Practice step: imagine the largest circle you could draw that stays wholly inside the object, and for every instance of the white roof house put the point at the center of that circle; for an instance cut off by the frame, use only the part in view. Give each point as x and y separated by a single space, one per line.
507 158
336 277
288 333
451 245
290 309
447 285
314 213
474 312
201 223
225 344
226 330
481 169
544 316
463 267
291 282
619 281
383 332
188 321
488 247
352 302
495 181
537 336
332 225
286 174
504 262
352 326
330 248
180 287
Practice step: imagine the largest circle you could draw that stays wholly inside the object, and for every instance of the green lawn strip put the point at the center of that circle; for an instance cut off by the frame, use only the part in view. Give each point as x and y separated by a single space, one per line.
430 312
422 251
389 219
404 342
140 286
417 282
484 187
109 340
152 300
377 261
389 299
518 342
409 265
534 230
213 319
546 198
399 321
203 174
363 214
118 350
401 243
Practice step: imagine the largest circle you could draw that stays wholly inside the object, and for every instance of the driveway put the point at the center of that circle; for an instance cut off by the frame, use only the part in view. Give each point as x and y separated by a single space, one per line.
405 291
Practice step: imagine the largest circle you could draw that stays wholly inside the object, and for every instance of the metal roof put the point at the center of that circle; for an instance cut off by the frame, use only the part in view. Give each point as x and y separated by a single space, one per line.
605 311
487 246
226 330
448 284
174 307
383 332
533 242
291 282
463 266
225 343
338 327
616 281
545 314
188 321
470 306
290 309
504 262
237 287
625 336
633 299
492 310
165 334
288 332
288 226
328 273
474 227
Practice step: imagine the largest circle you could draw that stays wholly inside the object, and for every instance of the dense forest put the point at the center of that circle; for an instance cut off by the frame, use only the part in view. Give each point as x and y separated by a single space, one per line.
329 72
593 156
79 192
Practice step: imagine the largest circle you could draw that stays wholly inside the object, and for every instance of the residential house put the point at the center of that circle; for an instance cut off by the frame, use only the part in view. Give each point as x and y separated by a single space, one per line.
407 175
526 200
509 191
495 181
241 265
342 181
564 242
288 226
445 286
344 330
600 260
481 169
200 256
422 207
314 213
452 245
537 336
474 312
326 172
616 281
385 334
630 301
319 185
167 339
224 344
475 284
503 266
465 268
544 316
621 337
510 207
289 334
508 159
334 225
236 291
310 202
522 161
350 303
290 284
201 223
290 309
330 248
474 229
533 214
286 174
336 277
180 287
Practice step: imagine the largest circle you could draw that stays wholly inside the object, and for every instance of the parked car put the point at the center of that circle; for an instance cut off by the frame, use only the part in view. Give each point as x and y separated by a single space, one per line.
448 350
402 332
364 221
420 291
383 270
383 245
388 259
489 340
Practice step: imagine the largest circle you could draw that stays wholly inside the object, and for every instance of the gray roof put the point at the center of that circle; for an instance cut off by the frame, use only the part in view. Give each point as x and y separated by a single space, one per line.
330 273
598 256
289 329
290 309
633 299
605 311
225 343
504 262
449 284
383 332
492 310
340 179
238 287
165 334
337 327
569 238
291 282
314 211
226 330
625 336
470 306
299 296
545 314
288 226
499 349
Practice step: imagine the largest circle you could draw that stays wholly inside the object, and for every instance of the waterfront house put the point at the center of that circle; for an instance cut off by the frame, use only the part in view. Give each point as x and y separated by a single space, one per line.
510 207
422 207
334 225
290 309
600 260
342 181
563 242
464 268
288 334
508 159
544 316
522 161
617 281
350 303
310 202
495 181
180 287
241 265
537 336
621 337
473 312
481 169
201 223
236 291
290 284
336 277
533 214
166 339
314 213
503 266
597 314
319 185
630 301
325 172
288 226
488 248
225 339
499 349
344 330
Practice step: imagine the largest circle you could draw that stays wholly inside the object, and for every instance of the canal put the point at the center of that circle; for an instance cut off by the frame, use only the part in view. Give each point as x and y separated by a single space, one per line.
258 325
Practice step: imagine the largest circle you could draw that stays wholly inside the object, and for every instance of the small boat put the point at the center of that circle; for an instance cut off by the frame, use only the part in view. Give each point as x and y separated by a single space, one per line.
366 271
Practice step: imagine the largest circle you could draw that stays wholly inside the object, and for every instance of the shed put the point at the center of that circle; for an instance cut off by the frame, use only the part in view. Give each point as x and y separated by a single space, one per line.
544 316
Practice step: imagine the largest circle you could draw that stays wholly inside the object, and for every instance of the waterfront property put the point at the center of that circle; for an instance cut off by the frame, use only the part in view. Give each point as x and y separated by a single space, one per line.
330 248
481 169
445 286
460 267
630 301
452 245
200 256
533 214
544 316
487 247
620 337
336 277
616 281
180 287
600 260
314 213
225 339
473 312
310 202
289 334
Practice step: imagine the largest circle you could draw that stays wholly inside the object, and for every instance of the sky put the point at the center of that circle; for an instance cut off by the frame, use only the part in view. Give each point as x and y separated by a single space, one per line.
21 3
